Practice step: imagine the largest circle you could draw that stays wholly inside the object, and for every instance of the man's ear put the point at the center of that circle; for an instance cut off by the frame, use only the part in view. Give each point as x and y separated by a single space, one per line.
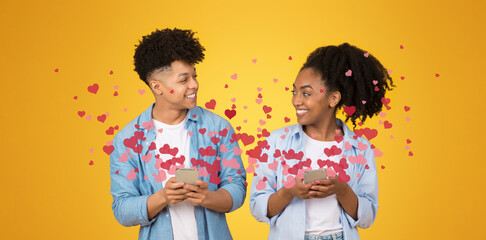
156 86
334 98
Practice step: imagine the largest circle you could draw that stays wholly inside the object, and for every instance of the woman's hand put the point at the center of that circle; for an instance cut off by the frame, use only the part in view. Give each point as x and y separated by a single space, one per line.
327 187
300 189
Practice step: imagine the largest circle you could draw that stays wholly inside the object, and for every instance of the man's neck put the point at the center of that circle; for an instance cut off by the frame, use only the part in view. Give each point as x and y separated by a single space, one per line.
168 115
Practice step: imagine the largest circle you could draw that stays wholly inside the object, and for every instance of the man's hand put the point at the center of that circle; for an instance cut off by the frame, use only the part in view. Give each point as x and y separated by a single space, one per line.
327 187
198 194
174 191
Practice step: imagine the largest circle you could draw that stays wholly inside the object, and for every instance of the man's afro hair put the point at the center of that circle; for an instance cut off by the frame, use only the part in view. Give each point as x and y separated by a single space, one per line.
162 47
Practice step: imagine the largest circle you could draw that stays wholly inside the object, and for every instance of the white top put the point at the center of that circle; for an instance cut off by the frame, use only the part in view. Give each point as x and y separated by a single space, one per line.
322 214
182 214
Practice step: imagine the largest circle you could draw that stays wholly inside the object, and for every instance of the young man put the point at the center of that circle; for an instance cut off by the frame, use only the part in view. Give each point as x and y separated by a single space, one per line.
174 133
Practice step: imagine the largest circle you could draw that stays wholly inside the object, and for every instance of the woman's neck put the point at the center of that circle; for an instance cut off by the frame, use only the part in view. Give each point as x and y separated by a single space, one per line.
324 130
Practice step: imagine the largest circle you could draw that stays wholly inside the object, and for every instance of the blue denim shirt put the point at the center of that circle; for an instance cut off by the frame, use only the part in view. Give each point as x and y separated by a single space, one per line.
290 222
130 196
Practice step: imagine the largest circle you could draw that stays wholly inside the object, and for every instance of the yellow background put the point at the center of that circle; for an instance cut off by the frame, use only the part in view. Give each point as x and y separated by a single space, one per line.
49 191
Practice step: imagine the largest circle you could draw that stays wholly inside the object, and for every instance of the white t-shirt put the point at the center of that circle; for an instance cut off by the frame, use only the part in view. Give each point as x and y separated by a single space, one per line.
182 214
322 214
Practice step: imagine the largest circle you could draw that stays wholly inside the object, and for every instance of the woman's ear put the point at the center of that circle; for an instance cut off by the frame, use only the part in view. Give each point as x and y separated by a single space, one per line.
334 98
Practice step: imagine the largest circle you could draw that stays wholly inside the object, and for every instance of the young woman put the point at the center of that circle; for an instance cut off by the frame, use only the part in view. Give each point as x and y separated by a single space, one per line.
332 77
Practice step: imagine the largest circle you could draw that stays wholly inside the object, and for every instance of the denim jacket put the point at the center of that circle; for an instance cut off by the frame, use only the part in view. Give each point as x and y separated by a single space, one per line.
290 222
134 173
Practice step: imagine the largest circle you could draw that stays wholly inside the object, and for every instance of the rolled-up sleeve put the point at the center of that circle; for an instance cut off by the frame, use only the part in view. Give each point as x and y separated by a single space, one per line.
259 196
129 206
366 189
231 180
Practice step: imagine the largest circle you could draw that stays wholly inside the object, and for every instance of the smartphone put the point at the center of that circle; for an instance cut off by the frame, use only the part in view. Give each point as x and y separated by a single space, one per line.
314 175
187 175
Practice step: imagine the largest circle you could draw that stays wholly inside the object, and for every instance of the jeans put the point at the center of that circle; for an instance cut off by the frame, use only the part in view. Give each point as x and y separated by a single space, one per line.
333 236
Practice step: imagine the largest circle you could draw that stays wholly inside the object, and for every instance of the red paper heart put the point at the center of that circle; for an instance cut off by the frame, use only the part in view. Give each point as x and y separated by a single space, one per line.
215 140
247 139
202 131
110 131
93 88
211 104
108 149
101 118
266 109
350 110
230 113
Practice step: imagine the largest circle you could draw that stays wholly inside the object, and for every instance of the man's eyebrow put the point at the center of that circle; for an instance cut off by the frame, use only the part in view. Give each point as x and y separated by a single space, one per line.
183 74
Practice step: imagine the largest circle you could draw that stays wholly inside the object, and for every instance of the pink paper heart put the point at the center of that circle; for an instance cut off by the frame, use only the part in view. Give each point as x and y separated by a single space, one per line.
273 166
237 151
231 163
377 152
223 148
362 146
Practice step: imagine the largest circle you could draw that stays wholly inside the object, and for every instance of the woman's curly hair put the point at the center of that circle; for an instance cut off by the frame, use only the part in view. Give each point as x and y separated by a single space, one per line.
162 47
368 82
